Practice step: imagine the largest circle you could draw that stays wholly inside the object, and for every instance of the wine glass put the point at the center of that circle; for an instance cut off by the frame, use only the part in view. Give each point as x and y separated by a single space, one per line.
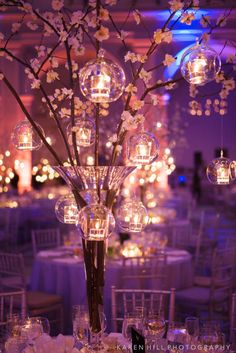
155 325
176 335
132 320
80 318
192 327
34 327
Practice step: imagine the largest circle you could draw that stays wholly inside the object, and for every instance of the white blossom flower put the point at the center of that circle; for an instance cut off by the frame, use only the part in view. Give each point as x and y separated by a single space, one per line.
57 5
35 64
131 89
155 99
160 36
145 76
137 104
54 63
41 51
122 35
169 60
15 27
27 7
103 14
170 85
31 25
92 20
1 76
63 36
176 5
113 138
102 34
187 18
131 122
35 84
137 16
52 76
76 17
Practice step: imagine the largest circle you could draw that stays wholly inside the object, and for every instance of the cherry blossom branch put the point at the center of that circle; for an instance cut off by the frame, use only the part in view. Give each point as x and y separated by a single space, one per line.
46 98
28 116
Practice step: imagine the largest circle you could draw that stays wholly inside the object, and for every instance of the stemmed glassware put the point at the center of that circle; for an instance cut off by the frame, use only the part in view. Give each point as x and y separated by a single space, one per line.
192 327
155 325
80 317
132 320
176 335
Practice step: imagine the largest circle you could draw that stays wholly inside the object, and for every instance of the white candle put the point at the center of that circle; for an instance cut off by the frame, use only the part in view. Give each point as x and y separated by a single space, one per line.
70 214
83 136
143 152
25 140
222 175
98 228
100 86
197 70
135 224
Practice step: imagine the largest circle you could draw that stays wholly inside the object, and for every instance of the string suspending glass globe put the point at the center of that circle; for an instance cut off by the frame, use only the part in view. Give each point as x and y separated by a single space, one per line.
84 131
25 138
66 209
132 216
219 171
96 222
200 64
102 80
142 148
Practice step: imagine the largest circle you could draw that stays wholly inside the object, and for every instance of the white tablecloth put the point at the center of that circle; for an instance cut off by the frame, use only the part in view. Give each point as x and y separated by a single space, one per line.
54 272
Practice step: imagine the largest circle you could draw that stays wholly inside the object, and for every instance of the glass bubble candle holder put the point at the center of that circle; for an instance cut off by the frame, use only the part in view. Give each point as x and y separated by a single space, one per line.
142 149
132 216
200 64
66 209
102 80
84 131
96 222
219 171
24 137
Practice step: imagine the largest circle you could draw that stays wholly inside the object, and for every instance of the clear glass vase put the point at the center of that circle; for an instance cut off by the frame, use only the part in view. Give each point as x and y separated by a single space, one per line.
93 184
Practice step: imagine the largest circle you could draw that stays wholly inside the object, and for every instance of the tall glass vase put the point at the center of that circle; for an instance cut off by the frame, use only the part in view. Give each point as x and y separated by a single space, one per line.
89 185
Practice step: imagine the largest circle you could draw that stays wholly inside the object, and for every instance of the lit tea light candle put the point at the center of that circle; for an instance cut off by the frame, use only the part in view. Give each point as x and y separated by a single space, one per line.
83 137
143 153
100 87
98 228
25 141
197 70
70 214
222 175
135 224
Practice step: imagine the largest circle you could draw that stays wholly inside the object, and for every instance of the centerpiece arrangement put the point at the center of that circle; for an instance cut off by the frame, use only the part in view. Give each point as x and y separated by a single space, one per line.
78 99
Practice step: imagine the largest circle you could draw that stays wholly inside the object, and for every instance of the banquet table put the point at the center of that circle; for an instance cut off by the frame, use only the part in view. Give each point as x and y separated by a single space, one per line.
58 271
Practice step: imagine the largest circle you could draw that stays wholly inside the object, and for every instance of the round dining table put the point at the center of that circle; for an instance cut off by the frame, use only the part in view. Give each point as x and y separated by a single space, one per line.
60 272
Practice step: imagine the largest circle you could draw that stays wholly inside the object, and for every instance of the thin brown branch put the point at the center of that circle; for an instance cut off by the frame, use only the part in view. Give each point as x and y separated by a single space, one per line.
32 122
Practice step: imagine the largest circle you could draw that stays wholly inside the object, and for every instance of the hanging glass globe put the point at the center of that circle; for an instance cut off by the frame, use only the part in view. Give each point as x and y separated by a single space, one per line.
96 222
101 80
85 132
25 138
142 149
219 171
200 64
66 209
132 216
